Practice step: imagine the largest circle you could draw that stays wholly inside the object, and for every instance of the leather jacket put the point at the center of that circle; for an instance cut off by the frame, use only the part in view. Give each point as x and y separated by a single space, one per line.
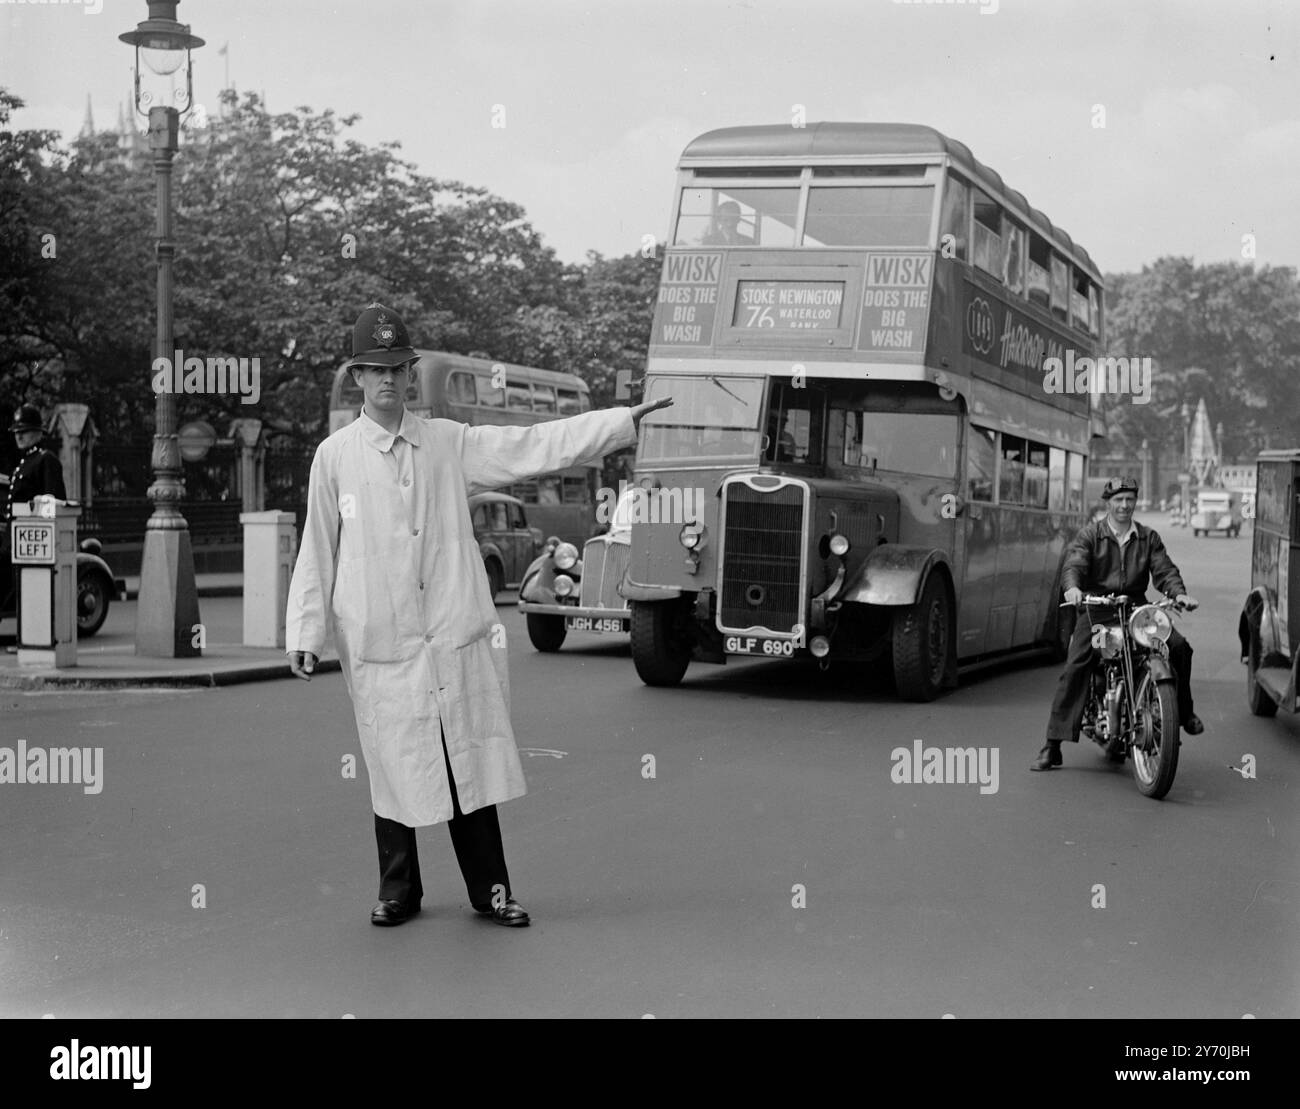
1095 563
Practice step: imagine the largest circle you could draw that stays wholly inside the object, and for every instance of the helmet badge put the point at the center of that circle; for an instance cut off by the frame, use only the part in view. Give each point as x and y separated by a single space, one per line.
385 334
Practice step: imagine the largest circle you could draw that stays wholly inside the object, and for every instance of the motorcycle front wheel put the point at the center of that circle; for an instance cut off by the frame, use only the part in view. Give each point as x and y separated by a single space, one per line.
1155 746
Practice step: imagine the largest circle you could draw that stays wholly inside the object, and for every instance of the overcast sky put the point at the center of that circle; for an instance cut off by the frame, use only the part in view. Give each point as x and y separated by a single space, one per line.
1201 98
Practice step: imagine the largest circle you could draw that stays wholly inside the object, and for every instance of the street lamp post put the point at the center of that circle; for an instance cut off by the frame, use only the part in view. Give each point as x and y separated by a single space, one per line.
168 614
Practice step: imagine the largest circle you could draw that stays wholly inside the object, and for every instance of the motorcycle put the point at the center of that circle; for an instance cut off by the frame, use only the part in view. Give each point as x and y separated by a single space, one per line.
96 589
1132 707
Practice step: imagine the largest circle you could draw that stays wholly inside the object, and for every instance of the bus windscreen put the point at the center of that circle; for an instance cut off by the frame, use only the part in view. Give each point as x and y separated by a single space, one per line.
710 417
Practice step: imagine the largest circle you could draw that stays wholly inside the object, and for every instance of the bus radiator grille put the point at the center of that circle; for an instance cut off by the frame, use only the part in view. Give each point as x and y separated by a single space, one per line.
763 555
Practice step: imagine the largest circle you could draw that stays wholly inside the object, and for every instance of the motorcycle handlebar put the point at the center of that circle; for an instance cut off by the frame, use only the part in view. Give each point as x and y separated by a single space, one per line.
1116 600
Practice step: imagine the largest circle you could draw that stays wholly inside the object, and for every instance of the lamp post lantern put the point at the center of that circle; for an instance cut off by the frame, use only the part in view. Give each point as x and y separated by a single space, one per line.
168 610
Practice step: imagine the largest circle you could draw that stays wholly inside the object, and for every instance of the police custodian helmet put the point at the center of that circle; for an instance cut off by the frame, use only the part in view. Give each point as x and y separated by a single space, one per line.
379 338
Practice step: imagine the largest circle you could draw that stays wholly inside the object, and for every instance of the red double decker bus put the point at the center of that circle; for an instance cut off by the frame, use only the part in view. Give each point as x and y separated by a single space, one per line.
853 321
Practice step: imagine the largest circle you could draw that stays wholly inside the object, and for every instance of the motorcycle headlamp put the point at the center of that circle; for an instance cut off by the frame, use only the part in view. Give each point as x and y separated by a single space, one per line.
566 554
1149 625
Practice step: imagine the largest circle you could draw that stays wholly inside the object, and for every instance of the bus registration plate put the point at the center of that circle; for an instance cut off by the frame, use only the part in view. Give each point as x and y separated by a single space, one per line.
596 624
757 645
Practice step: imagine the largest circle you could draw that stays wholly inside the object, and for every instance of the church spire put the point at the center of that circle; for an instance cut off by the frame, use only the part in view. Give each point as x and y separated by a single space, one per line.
88 124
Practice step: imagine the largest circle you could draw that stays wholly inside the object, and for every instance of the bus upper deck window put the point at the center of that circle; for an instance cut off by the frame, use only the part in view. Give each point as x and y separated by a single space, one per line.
1060 287
1079 307
568 402
953 229
489 395
869 216
1013 274
460 389
986 235
1094 310
518 397
737 217
1037 281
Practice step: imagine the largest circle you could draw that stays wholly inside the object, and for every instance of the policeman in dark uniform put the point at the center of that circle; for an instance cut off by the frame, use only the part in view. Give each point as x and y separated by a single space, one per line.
38 471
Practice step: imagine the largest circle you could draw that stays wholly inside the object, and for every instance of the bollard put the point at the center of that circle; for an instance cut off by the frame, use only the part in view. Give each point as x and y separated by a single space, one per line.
270 547
43 537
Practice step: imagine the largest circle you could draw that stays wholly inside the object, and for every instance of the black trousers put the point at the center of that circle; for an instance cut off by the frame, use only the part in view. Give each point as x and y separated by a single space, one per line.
476 839
1072 690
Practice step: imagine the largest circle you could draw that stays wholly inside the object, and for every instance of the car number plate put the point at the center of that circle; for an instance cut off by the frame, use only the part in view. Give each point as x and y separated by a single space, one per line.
595 624
757 645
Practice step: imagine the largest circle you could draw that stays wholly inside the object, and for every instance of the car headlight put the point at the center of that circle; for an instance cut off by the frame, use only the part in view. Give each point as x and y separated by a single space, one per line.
692 536
566 554
1149 624
564 585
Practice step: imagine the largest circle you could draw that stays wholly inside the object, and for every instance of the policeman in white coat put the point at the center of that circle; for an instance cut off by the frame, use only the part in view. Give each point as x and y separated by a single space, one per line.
389 558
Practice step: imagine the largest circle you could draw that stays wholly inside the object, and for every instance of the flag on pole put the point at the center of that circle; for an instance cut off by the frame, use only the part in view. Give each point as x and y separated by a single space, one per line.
222 52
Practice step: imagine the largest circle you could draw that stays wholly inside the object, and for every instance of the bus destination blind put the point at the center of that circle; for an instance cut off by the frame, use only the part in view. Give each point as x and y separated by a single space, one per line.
788 305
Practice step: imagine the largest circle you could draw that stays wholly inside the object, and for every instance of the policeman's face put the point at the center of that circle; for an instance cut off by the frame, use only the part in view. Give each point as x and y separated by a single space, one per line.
384 387
25 439
1121 508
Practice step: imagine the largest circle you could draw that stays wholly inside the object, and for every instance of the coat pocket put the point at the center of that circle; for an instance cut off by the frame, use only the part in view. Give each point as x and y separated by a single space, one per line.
365 614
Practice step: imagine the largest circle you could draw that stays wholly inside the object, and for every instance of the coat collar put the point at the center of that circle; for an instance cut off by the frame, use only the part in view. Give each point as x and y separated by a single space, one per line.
383 440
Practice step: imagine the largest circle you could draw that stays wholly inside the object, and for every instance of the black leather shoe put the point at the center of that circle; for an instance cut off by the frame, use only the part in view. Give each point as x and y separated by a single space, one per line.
1048 757
511 914
388 913
1193 725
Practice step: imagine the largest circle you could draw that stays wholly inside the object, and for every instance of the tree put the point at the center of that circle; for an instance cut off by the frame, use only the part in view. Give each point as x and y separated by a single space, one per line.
1227 332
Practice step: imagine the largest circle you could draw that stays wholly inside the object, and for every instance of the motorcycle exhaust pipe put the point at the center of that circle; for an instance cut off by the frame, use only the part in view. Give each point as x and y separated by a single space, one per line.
1112 712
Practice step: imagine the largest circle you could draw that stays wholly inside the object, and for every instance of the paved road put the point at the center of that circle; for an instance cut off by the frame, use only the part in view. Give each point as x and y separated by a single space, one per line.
672 895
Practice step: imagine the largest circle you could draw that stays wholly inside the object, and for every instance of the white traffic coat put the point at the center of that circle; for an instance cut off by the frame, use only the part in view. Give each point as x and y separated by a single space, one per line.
389 558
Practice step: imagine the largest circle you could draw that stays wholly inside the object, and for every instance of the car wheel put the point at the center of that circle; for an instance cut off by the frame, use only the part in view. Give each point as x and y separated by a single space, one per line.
496 578
92 603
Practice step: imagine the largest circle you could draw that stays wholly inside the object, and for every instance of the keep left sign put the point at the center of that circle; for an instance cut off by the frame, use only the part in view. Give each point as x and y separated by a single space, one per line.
33 542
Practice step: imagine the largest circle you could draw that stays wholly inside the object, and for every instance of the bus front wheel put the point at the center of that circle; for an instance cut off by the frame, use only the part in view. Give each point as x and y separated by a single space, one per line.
920 639
661 646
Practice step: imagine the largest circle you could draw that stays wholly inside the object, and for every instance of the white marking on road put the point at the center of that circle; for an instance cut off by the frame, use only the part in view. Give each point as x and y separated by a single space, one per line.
531 751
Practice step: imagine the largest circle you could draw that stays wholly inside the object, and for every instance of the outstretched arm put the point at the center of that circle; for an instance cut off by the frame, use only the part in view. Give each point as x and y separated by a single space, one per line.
493 456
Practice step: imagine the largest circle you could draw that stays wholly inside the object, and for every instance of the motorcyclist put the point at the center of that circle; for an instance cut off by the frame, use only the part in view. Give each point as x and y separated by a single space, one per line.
1114 555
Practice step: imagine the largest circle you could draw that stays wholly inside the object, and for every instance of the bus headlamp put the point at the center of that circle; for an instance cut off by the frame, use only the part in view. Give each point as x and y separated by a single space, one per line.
839 545
566 556
564 585
692 536
1149 625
